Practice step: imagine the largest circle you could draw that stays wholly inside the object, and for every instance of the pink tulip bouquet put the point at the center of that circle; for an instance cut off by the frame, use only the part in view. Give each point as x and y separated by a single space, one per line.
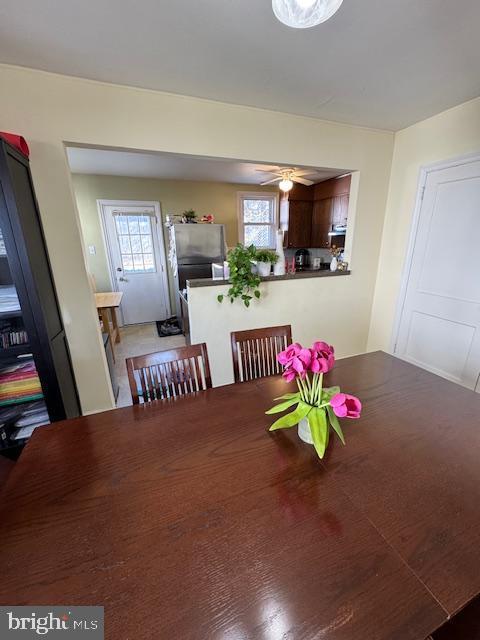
316 408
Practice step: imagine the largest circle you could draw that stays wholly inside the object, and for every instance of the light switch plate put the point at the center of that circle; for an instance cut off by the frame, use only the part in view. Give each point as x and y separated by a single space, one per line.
91 249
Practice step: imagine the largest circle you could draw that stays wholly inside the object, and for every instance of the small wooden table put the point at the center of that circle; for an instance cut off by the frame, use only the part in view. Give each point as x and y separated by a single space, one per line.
107 304
188 520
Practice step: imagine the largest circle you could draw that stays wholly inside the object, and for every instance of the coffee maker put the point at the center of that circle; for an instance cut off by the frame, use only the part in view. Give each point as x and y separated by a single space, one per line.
302 259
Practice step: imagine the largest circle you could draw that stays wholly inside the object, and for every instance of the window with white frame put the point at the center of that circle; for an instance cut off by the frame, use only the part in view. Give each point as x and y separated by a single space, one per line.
257 219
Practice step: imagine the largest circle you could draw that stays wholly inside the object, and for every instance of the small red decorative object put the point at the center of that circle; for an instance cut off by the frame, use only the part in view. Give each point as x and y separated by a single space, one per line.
16 141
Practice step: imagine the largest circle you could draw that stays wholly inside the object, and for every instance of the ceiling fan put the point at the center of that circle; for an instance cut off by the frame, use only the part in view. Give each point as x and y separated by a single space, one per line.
286 177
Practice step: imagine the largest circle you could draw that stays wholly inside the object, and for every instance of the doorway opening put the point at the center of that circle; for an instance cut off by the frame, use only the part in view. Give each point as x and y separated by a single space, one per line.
136 259
152 222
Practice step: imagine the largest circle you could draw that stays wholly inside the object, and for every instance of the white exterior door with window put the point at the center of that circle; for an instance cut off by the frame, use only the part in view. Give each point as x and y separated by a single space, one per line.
439 325
258 219
137 260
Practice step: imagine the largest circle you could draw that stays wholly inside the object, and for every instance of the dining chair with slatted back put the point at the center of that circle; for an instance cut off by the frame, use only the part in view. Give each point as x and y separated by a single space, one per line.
255 351
169 374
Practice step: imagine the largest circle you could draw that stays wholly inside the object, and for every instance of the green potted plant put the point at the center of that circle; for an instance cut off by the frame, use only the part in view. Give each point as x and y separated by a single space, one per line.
189 216
243 282
265 259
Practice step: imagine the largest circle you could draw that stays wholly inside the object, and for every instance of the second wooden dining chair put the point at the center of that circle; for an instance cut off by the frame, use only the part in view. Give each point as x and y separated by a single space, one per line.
255 351
169 374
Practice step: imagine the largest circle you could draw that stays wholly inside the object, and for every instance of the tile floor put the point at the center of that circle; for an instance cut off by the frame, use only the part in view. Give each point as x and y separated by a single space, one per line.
137 340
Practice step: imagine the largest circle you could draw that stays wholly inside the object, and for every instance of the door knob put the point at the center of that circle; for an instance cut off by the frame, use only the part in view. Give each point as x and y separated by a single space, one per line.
123 279
119 269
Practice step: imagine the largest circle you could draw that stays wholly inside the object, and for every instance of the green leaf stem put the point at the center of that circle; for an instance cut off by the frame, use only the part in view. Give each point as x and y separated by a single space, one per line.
319 428
291 419
283 406
335 423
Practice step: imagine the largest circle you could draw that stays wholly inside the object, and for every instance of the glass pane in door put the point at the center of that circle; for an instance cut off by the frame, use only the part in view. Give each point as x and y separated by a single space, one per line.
135 241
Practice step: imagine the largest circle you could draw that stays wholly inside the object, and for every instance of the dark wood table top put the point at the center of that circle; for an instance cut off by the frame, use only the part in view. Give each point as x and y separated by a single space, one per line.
188 520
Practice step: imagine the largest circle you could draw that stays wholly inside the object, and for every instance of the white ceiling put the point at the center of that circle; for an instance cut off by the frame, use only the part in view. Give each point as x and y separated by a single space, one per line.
170 166
379 63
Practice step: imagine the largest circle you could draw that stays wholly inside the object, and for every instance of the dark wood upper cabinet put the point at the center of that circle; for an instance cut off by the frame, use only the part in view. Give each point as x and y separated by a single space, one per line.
327 213
333 188
321 223
301 192
313 211
299 223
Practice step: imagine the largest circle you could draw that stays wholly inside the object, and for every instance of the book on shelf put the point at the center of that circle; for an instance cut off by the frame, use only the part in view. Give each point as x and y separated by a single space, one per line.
32 417
17 423
12 337
19 382
12 330
8 299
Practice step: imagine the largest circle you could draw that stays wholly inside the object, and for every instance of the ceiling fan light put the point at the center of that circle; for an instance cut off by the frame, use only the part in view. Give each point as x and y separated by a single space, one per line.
286 185
302 14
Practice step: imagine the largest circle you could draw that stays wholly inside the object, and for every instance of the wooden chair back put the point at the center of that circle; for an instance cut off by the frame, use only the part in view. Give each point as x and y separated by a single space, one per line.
255 351
169 374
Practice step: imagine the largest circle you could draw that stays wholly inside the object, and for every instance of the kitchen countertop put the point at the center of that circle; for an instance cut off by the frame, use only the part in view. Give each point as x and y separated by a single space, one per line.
299 275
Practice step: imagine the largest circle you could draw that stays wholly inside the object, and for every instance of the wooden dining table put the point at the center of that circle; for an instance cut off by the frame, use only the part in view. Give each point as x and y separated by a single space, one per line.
107 304
188 519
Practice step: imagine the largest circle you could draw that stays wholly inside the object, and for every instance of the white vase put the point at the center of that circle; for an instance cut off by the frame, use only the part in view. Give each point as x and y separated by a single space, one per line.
279 266
304 432
264 269
334 264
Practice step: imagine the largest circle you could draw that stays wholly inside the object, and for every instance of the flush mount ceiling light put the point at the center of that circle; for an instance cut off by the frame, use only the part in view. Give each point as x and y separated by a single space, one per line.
301 14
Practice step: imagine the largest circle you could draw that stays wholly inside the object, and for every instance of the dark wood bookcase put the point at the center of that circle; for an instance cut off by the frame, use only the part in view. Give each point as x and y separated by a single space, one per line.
32 336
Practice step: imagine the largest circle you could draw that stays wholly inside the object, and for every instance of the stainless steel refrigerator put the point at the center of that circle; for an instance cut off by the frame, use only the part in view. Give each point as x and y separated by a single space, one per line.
193 249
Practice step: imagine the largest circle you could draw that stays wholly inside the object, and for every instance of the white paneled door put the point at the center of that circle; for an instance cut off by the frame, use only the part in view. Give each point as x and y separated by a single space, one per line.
137 261
439 327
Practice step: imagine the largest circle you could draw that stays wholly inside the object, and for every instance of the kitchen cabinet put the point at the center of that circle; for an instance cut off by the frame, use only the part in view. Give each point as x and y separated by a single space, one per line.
321 223
314 211
332 188
299 223
340 210
328 213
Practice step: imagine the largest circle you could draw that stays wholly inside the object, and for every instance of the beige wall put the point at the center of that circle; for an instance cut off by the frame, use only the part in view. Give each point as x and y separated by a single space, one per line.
316 308
50 110
452 133
175 196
